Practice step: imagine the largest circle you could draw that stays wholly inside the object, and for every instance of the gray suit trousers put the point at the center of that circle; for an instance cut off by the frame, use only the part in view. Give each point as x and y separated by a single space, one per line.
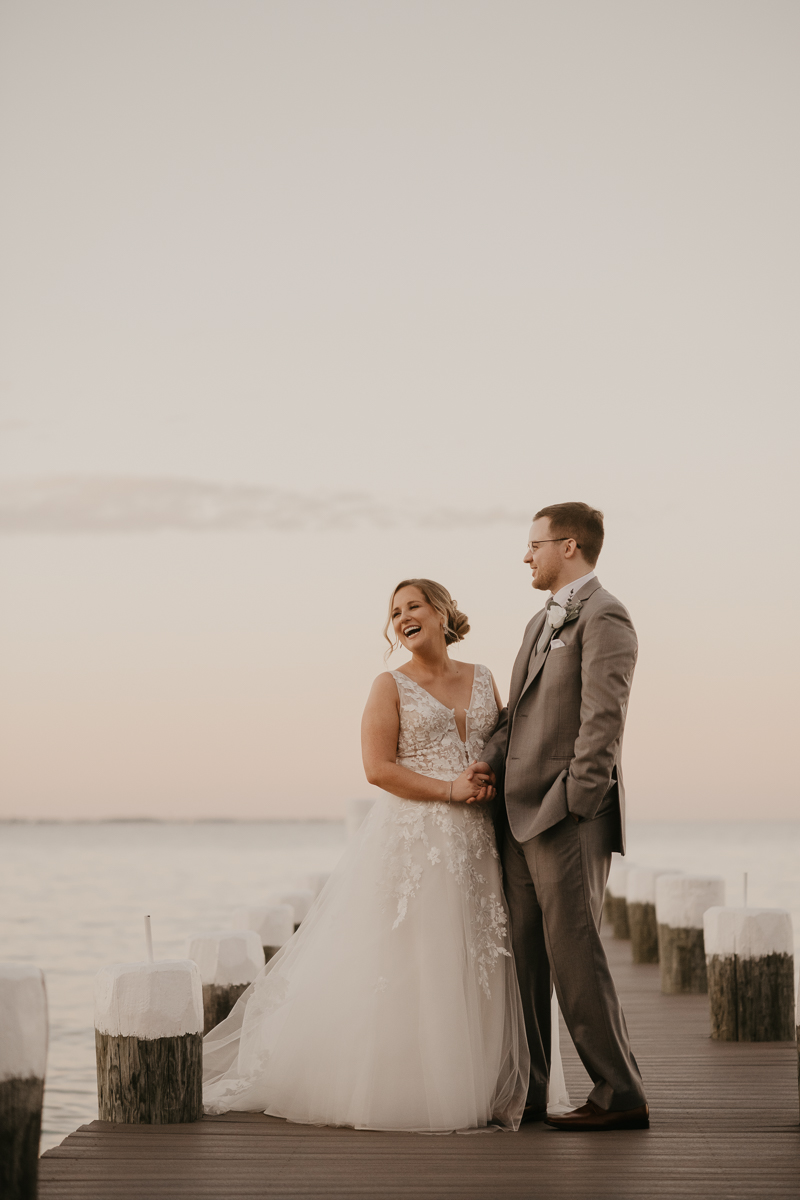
554 886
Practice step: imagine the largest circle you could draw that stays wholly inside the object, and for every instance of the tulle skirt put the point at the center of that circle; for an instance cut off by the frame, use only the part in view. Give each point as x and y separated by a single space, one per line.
395 1006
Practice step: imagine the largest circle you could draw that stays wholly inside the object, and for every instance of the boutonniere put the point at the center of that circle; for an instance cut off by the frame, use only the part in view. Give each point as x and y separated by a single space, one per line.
557 615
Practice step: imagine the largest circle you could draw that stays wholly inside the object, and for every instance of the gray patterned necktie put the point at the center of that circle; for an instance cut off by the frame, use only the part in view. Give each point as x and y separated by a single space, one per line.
547 630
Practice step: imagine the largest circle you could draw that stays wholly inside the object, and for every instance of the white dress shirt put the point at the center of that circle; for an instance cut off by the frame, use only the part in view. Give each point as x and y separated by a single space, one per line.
565 594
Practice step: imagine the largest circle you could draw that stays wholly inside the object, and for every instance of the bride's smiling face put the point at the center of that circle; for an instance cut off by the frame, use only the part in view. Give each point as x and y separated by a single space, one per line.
416 623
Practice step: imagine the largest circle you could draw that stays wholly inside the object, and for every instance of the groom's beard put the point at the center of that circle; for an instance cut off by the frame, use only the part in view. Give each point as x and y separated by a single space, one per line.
544 579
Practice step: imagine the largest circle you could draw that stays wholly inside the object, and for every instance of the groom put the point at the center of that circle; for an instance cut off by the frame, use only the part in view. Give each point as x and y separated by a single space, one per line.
556 752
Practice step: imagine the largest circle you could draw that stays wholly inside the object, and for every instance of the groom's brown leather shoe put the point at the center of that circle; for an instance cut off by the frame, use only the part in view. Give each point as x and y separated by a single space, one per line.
592 1118
532 1112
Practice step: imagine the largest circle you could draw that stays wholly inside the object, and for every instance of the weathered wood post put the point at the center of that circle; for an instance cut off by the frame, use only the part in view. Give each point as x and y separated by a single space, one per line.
681 901
641 896
750 960
615 906
23 1056
300 899
273 923
357 812
228 963
148 1019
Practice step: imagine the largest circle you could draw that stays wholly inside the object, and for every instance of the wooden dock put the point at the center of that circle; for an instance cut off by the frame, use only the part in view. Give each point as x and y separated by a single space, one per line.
724 1124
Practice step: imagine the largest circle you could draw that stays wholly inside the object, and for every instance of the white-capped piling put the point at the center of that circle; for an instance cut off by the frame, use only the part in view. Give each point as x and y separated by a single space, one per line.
300 899
148 1019
228 964
750 961
615 906
23 1057
316 881
274 924
357 813
681 901
641 897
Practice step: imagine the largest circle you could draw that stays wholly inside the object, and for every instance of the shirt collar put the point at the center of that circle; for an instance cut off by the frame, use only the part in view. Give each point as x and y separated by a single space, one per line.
565 594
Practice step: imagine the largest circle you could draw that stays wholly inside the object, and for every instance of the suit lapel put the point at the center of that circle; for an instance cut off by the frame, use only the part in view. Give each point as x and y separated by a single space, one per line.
536 664
521 673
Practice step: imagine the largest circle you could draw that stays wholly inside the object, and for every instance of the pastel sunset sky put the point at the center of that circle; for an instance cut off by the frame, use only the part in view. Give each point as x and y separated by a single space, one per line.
301 297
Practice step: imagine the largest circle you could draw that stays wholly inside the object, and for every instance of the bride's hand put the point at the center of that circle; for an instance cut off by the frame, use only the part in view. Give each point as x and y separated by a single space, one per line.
472 788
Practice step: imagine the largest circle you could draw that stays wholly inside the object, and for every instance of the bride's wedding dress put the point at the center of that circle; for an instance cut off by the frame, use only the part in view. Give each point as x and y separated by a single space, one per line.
395 1006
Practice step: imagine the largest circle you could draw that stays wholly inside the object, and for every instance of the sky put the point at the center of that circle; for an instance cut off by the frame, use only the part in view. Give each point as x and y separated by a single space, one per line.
301 298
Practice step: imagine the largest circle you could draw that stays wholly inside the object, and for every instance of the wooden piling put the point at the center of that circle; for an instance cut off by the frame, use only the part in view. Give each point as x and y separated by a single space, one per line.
641 898
750 961
615 907
228 963
681 901
149 1081
274 924
23 1057
300 899
149 1042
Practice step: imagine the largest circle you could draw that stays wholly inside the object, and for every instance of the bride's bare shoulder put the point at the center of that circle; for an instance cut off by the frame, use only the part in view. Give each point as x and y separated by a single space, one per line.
384 686
382 702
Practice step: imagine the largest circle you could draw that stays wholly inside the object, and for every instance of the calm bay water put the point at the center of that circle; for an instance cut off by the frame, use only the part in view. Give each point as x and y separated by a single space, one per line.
73 897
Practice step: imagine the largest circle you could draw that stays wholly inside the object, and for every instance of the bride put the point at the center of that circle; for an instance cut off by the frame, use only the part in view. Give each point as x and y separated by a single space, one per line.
395 1006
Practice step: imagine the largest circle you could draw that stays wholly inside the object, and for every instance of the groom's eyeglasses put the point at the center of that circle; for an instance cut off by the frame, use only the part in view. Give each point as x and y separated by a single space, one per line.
535 545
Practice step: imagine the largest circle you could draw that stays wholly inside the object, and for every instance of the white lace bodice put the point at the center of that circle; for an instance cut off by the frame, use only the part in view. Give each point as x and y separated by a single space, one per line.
429 741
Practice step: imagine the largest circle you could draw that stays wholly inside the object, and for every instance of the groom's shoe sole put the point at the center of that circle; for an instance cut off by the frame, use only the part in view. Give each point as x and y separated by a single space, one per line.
592 1119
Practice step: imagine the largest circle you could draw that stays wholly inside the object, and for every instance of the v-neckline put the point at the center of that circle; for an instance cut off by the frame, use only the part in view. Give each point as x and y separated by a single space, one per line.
436 699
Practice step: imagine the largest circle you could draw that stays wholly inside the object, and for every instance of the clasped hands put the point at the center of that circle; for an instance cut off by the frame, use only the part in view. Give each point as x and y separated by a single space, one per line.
476 784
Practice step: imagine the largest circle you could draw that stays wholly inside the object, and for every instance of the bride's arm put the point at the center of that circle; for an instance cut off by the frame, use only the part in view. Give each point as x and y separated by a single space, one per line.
380 727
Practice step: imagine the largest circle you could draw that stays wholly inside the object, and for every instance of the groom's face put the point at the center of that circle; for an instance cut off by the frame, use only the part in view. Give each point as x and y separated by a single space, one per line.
544 557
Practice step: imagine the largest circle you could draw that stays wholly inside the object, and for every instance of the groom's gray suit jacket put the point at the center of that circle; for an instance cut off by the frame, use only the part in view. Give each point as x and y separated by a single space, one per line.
556 748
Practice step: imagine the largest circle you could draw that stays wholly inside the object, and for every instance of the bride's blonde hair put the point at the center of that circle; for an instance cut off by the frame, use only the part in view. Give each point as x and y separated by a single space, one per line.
456 624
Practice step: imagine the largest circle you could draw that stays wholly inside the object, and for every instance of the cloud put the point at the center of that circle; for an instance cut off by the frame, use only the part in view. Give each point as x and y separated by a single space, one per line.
127 504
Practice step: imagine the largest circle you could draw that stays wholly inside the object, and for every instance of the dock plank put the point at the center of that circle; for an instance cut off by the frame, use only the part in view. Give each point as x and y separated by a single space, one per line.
724 1124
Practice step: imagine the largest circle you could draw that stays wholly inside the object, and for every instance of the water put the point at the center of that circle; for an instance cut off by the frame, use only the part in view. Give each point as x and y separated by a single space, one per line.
73 898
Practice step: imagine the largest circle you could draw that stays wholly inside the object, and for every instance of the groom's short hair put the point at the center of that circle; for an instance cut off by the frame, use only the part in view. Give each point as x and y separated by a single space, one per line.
579 521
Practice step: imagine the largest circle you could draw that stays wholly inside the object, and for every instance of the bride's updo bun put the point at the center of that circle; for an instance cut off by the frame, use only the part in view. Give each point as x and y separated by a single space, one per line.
456 623
459 623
